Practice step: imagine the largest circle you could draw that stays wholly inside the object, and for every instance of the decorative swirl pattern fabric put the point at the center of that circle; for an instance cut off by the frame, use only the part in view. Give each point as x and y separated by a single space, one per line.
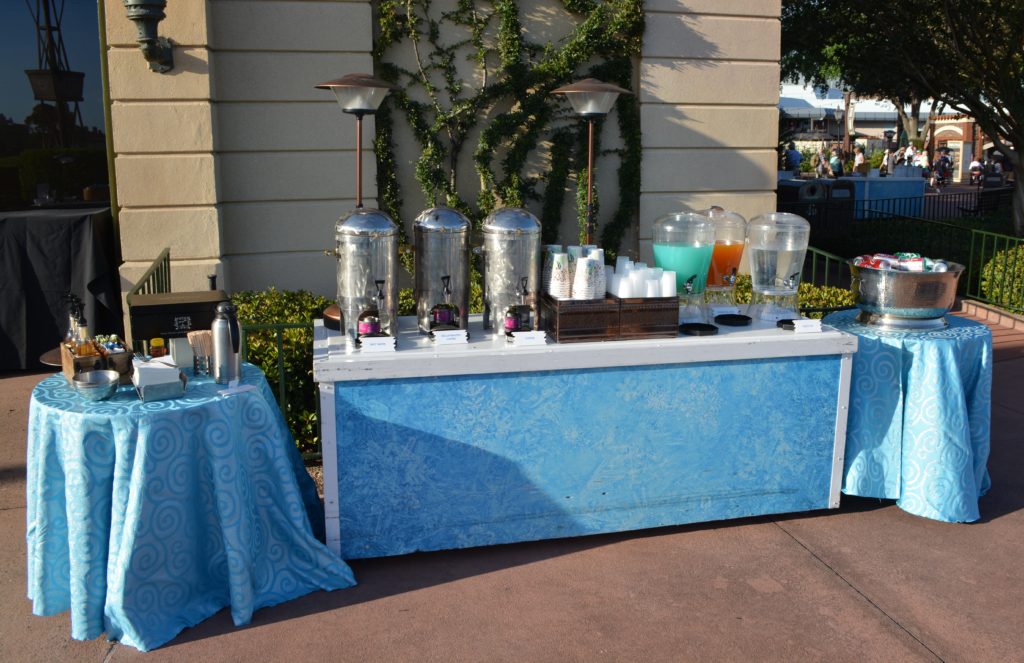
453 462
920 413
147 518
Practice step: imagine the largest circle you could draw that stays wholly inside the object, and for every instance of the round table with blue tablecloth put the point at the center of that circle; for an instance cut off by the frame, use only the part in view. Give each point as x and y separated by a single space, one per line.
146 518
920 413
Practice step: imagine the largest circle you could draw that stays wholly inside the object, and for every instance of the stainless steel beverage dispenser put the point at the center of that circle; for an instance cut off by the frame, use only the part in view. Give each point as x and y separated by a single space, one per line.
441 237
367 253
511 264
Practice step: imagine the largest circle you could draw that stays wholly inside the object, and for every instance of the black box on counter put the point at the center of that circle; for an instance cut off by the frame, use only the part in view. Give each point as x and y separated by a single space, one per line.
172 314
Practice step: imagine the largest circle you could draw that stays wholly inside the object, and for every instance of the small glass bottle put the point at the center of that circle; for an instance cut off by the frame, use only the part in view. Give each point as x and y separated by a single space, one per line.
157 347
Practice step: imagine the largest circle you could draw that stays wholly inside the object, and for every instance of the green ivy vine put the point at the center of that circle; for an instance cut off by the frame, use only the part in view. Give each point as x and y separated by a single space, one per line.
509 104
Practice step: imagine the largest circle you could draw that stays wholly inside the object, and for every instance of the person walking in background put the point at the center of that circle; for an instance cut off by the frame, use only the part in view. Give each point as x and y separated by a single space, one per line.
859 164
835 164
793 159
820 163
883 167
975 169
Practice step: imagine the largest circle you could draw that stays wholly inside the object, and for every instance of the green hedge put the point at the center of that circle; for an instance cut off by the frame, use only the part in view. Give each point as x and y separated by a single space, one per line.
1002 279
280 306
810 296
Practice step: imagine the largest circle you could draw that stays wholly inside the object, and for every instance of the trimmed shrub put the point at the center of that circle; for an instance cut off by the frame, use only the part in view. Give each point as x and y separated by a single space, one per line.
810 296
281 306
1002 279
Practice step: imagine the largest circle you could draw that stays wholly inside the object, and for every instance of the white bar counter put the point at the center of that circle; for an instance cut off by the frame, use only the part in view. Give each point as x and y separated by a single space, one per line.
430 448
418 357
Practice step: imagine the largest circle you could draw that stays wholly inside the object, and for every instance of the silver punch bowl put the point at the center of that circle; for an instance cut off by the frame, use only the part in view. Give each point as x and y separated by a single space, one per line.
895 299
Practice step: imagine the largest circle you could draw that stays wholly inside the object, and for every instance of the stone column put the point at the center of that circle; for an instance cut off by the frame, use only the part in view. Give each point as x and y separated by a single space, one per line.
709 94
164 148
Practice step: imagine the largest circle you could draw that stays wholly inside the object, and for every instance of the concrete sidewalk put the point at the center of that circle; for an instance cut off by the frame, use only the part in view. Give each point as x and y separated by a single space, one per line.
866 582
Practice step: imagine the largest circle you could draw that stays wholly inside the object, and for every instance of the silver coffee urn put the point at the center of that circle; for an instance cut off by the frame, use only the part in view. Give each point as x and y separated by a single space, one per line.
441 244
511 252
367 253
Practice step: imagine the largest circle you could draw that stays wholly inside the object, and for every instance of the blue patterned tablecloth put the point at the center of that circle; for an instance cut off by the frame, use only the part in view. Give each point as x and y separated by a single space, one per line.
147 518
920 412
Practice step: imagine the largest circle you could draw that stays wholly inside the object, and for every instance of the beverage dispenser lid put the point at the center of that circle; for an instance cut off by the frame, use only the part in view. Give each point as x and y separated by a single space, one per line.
366 222
685 227
781 221
443 220
511 221
724 218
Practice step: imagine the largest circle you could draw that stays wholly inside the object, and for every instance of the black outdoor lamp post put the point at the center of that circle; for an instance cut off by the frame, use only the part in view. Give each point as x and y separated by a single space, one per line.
359 95
591 99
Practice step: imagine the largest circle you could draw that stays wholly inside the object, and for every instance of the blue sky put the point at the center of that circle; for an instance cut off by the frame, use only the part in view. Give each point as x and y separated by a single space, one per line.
18 53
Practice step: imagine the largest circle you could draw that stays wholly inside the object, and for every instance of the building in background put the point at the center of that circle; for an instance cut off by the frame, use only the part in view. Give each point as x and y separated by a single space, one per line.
241 167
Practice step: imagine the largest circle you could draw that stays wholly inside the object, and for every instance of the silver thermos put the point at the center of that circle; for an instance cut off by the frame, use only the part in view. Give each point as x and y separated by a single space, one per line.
227 363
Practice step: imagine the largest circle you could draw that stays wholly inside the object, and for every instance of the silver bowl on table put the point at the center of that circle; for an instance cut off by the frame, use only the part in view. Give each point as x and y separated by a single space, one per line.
895 299
96 385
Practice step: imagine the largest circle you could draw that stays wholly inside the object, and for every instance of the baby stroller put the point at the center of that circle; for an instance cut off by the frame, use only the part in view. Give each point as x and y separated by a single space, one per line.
942 173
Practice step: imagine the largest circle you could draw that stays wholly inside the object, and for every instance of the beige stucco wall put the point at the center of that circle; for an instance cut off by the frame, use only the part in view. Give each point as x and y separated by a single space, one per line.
238 164
709 91
163 142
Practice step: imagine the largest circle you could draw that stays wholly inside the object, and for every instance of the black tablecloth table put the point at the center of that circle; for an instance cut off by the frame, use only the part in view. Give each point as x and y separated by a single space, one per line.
44 254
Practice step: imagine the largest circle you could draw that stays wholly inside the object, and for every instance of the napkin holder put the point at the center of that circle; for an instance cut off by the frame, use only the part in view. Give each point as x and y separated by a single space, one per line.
156 380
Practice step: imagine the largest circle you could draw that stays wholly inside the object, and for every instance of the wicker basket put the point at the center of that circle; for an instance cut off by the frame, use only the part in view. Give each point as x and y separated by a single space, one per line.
572 321
654 317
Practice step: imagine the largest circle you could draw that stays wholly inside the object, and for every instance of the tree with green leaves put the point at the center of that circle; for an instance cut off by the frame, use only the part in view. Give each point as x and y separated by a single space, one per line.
966 54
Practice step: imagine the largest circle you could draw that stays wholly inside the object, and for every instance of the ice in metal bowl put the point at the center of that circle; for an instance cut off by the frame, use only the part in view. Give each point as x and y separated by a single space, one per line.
96 385
908 299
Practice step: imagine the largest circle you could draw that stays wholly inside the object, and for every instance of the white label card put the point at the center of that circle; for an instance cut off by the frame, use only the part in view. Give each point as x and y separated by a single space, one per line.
807 326
451 337
528 338
377 344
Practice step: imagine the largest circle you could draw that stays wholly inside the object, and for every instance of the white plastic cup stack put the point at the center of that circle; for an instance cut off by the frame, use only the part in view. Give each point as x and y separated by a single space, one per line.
668 284
587 280
560 286
575 253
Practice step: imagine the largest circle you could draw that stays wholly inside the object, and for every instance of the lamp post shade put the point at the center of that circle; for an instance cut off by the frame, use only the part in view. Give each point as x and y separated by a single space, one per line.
591 97
359 94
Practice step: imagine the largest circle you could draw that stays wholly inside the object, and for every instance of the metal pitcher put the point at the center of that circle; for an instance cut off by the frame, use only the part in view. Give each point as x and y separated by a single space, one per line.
227 344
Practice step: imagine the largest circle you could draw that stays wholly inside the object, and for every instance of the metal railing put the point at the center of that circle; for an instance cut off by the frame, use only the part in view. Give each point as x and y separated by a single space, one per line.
827 269
962 204
156 279
278 329
995 270
277 376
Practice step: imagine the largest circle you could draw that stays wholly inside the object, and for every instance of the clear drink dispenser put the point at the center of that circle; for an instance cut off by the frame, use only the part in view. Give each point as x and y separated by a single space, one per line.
683 243
777 244
730 238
